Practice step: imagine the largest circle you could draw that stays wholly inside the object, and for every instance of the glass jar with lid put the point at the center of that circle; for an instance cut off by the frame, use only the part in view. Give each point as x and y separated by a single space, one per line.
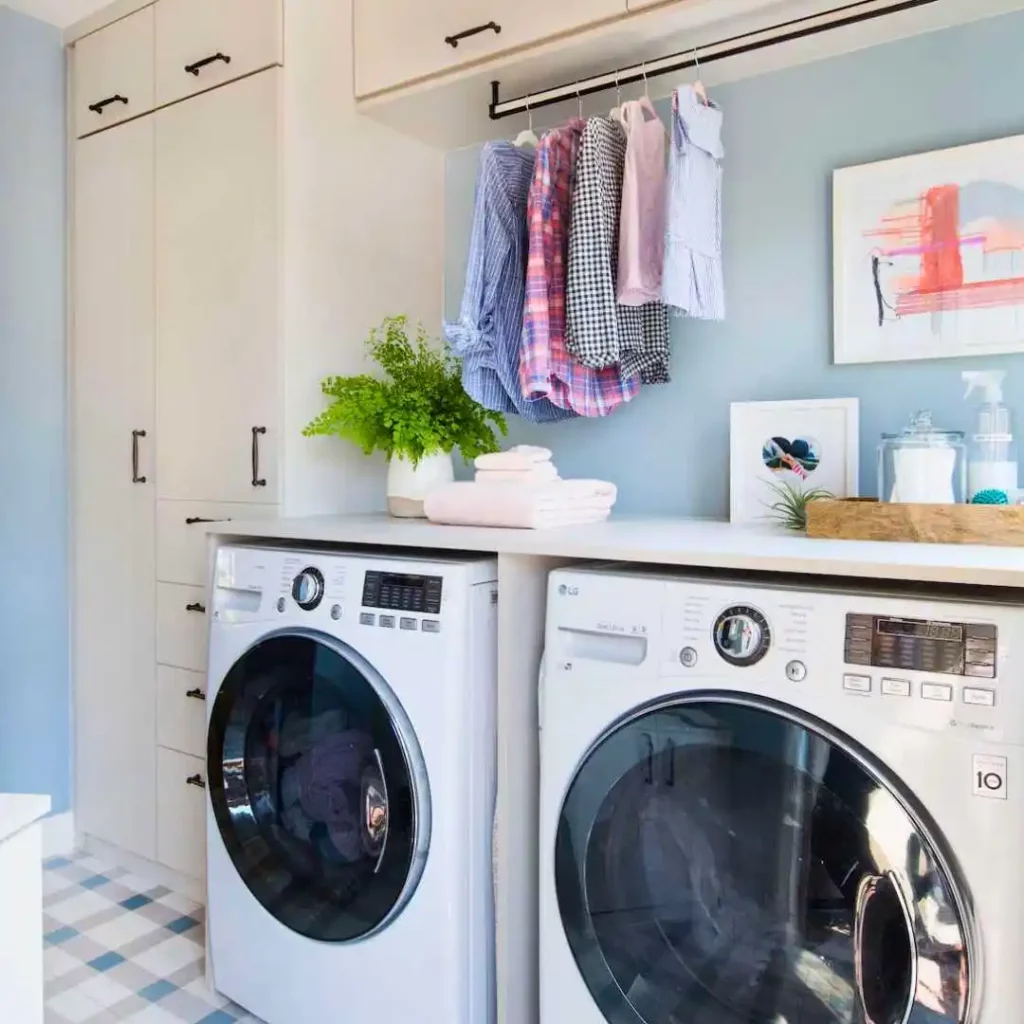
923 464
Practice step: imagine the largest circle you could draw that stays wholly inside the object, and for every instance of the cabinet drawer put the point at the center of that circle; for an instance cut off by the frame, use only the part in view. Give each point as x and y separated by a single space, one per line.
181 536
181 812
181 710
181 626
114 77
203 43
399 41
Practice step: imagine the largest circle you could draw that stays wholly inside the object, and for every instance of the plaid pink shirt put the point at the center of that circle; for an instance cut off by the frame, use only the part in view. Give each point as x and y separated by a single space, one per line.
546 367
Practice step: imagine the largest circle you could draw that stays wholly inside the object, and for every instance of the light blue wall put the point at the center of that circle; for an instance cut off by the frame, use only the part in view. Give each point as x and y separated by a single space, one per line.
35 696
784 134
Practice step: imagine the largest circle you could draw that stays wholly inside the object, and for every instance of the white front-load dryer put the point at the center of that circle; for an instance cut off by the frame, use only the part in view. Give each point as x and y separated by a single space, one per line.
352 764
768 802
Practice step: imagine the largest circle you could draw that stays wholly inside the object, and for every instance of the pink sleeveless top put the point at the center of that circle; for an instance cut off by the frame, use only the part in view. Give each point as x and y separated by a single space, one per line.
642 223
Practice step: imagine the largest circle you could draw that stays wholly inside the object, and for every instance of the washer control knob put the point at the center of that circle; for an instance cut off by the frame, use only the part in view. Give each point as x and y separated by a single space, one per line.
796 671
688 657
308 588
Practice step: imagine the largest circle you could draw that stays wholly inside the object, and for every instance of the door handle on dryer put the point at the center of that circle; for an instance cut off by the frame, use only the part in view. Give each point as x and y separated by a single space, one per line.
879 1006
376 811
136 479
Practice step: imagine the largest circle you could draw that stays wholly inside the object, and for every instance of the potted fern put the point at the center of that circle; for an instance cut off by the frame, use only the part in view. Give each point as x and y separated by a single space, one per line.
416 413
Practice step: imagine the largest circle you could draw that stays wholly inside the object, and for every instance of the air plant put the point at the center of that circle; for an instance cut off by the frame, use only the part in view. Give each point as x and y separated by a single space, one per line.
789 509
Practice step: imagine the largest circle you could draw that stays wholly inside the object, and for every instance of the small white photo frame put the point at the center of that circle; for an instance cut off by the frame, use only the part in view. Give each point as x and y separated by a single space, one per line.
808 444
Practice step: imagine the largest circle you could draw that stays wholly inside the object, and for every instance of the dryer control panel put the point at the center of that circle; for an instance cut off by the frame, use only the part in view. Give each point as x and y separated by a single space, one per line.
402 592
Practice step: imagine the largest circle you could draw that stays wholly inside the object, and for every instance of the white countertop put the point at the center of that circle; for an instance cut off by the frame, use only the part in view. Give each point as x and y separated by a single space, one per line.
664 541
18 811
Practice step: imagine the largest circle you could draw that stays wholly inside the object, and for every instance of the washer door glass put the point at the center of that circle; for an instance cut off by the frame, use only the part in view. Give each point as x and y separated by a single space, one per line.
729 861
318 786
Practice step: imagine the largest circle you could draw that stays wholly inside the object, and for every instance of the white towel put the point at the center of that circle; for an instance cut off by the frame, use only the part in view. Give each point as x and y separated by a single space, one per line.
560 503
540 473
520 456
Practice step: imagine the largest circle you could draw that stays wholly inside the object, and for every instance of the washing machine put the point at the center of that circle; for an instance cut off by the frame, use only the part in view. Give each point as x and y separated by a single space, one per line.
765 801
352 764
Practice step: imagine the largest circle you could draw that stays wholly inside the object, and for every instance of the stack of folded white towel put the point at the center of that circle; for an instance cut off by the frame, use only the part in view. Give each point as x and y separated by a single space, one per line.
520 488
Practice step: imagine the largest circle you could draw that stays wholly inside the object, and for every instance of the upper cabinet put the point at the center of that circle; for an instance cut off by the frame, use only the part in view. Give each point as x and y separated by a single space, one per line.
399 41
203 43
114 73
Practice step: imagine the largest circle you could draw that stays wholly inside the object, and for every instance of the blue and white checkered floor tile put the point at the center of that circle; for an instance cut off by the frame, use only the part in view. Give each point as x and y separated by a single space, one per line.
118 948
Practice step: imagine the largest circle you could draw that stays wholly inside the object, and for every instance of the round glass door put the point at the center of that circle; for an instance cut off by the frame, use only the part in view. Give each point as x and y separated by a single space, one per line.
728 861
318 786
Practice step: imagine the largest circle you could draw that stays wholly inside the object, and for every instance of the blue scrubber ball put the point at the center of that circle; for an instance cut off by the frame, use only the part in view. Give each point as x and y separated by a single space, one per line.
990 497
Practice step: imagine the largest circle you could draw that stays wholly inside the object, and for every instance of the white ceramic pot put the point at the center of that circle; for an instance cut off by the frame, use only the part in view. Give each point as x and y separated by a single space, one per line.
408 484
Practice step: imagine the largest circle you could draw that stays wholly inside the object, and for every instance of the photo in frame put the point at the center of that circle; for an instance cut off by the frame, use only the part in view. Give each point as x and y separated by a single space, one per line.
928 255
807 444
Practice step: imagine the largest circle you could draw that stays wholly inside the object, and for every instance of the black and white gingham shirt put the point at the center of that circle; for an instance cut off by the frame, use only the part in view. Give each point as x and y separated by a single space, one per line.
600 332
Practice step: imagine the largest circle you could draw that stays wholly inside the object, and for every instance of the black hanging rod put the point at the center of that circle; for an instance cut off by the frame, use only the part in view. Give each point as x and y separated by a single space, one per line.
710 53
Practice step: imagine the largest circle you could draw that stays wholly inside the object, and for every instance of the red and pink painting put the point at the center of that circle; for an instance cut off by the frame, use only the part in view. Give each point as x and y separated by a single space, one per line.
929 255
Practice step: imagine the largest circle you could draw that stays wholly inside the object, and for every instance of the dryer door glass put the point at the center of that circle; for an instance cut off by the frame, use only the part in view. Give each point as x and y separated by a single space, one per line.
318 786
720 860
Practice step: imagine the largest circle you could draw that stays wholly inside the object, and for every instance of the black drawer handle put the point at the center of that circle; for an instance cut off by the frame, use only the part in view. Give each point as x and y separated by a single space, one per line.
196 780
257 481
195 694
197 607
97 108
136 479
491 26
192 520
194 69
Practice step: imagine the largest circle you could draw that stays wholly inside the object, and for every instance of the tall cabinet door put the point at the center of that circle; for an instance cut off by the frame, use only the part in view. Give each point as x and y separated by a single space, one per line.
217 233
114 494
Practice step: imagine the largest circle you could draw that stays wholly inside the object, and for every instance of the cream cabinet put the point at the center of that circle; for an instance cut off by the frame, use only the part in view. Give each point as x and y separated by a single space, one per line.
217 253
114 614
204 43
399 41
114 73
176 284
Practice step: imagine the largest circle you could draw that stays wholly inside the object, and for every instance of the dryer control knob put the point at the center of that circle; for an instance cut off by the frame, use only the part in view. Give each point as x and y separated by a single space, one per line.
308 588
688 657
796 671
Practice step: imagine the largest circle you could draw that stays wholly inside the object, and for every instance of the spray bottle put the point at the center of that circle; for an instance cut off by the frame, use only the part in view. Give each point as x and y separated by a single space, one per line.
992 456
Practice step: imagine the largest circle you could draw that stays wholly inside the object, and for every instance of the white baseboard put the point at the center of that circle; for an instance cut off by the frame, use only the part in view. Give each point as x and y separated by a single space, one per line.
58 835
193 888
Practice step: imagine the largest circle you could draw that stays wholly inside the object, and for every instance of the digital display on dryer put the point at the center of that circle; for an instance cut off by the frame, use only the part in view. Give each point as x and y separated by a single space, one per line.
922 645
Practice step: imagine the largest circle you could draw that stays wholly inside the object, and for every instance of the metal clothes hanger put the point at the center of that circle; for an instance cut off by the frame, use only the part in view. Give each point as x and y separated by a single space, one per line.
579 100
616 112
698 85
527 137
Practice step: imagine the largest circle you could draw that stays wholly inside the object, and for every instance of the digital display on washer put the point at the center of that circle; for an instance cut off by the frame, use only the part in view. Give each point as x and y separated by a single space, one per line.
402 593
922 645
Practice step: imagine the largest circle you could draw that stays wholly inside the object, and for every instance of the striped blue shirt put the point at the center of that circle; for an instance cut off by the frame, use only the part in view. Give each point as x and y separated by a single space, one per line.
488 333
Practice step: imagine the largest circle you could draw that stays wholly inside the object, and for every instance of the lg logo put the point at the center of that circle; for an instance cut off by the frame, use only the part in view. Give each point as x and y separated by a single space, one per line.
567 591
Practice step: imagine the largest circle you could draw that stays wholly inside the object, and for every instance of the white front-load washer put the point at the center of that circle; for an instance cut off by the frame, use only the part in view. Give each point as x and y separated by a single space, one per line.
352 764
768 802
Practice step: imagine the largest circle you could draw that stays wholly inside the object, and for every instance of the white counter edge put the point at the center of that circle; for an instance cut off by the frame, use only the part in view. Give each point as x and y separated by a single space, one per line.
660 541
18 811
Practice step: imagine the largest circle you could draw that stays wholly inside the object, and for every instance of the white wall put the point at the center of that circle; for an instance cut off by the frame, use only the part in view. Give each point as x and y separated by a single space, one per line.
363 239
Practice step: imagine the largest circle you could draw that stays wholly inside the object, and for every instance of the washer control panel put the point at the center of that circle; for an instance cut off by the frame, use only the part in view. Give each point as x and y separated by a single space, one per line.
402 593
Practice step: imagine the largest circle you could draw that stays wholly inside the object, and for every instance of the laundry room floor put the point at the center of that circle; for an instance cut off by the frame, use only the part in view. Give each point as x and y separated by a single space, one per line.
119 948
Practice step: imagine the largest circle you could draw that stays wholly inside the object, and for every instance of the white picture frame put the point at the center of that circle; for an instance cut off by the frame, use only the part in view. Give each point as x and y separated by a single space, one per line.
822 450
928 255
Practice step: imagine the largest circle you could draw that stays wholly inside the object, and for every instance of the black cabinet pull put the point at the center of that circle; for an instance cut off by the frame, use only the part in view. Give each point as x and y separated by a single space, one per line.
197 607
491 26
256 480
194 69
136 479
195 694
196 780
192 520
97 108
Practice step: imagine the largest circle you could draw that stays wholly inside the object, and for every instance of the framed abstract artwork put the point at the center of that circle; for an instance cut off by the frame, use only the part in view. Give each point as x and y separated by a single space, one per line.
814 443
928 255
